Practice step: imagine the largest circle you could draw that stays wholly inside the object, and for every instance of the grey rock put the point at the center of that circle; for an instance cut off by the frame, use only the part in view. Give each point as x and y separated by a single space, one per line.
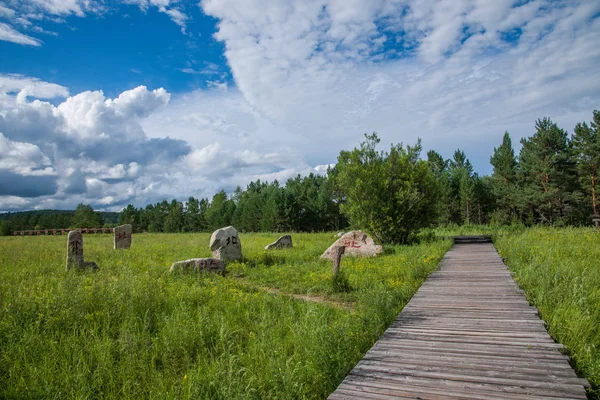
284 242
225 244
357 243
75 253
123 236
198 265
74 249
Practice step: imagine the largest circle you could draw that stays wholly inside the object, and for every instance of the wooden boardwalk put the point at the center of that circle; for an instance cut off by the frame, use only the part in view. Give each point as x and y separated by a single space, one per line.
468 333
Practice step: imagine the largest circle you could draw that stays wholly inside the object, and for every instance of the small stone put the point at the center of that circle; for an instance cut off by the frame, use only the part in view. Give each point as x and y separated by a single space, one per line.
284 242
198 265
123 235
339 234
90 265
357 243
225 244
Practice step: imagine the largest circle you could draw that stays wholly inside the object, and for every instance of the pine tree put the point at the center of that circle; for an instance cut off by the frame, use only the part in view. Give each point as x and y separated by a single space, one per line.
439 168
462 190
546 173
586 149
504 181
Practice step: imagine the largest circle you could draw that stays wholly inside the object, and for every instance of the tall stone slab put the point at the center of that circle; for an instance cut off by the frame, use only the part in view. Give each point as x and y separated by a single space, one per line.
74 250
225 244
199 265
284 242
357 243
75 253
123 234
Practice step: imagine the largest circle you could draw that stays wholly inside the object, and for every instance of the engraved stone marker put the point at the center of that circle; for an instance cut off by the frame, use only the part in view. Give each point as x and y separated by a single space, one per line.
123 235
283 242
357 243
74 249
198 265
75 252
225 244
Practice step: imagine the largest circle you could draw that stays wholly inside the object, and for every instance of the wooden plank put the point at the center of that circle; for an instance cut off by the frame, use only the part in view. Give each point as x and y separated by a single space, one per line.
468 333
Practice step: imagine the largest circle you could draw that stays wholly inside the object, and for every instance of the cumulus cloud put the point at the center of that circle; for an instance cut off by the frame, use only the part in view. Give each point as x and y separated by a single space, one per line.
86 148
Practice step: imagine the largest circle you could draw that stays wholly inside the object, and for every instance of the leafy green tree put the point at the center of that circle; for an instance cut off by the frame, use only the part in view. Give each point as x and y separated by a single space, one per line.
130 215
586 149
85 217
174 220
504 181
221 211
389 194
5 228
194 219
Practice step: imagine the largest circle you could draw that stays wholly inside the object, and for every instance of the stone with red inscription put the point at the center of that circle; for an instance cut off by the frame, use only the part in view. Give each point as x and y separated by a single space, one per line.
123 235
75 253
199 265
225 244
284 242
357 243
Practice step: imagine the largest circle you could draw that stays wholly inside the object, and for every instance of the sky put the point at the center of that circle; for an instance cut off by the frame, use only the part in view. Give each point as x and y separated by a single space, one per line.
116 102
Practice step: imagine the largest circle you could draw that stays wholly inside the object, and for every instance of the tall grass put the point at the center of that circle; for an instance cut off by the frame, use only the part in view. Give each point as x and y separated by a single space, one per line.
132 330
559 269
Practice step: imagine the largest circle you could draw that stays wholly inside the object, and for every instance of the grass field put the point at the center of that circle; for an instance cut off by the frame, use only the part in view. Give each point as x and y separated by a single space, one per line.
559 269
132 330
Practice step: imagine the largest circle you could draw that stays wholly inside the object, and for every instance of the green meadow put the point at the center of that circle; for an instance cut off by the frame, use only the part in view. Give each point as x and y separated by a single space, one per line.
559 269
276 326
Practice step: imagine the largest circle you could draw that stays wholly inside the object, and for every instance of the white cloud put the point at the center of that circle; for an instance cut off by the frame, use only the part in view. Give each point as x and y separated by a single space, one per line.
8 34
23 158
28 13
6 12
178 17
315 75
31 87
86 148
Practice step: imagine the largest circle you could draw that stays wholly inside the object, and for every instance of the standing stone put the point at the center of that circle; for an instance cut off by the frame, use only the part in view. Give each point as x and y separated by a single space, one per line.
357 243
75 253
225 244
123 235
199 264
74 250
284 242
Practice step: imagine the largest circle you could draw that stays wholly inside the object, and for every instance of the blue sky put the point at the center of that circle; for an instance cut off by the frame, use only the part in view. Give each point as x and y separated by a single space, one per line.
122 48
113 102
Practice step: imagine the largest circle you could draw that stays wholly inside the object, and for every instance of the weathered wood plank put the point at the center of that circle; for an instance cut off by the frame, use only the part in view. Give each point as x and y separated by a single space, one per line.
468 333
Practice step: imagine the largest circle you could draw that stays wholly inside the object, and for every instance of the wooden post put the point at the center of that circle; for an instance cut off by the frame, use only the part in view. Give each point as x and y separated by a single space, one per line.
337 258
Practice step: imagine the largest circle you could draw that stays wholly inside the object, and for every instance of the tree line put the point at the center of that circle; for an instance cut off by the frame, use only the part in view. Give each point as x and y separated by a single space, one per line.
391 194
83 216
303 204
